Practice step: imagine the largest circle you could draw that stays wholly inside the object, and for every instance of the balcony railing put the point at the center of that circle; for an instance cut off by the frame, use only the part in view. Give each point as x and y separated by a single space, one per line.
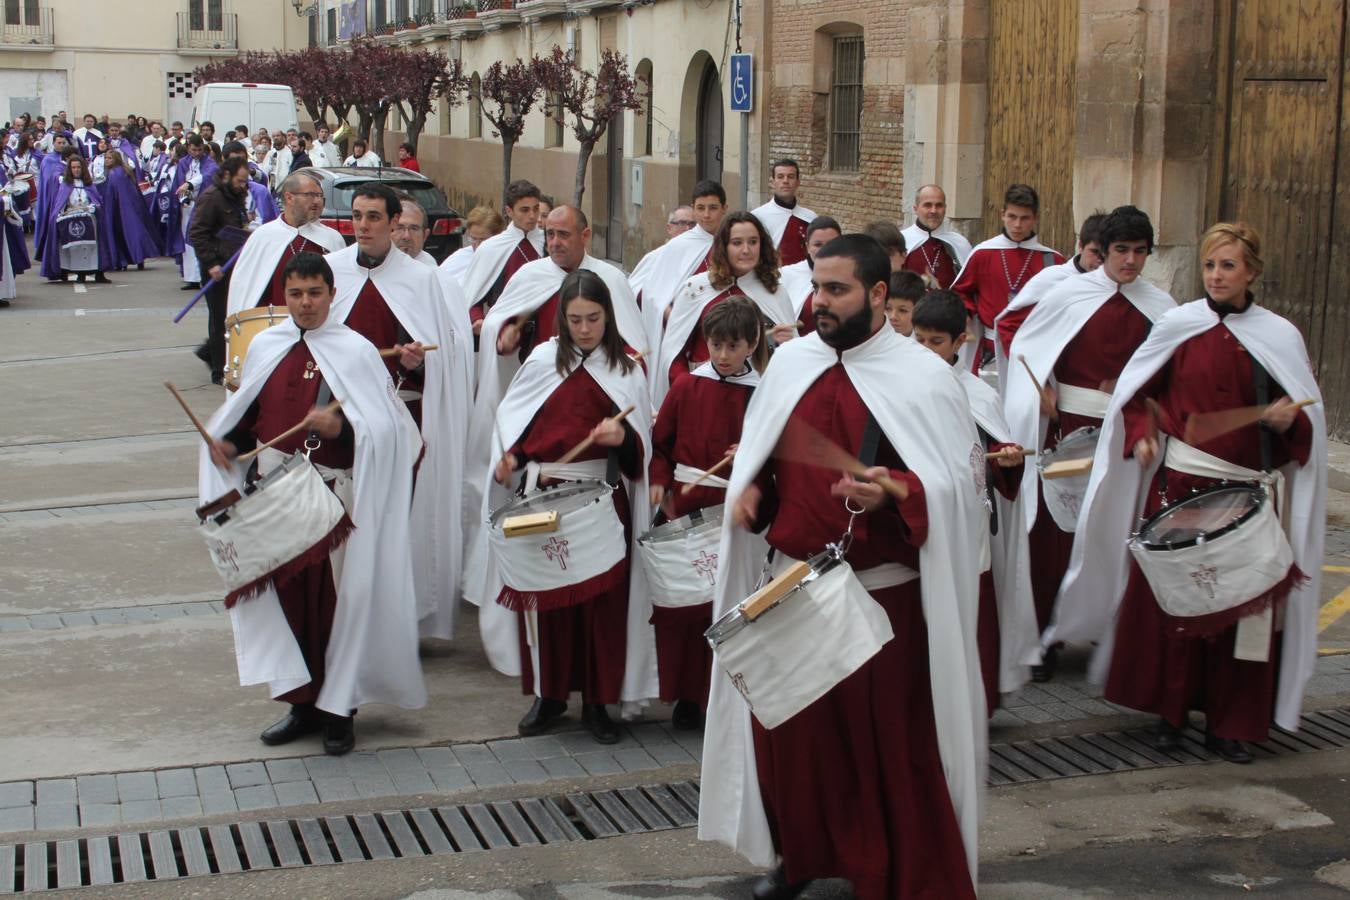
26 28
213 32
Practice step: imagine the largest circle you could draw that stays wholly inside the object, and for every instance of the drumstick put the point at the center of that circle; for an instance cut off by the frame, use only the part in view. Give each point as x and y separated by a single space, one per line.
298 426
586 444
998 454
1202 427
708 473
196 422
804 444
1155 416
395 351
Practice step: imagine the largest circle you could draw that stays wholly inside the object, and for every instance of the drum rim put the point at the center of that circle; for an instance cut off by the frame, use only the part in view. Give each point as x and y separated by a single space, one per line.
1047 457
576 487
706 519
1210 536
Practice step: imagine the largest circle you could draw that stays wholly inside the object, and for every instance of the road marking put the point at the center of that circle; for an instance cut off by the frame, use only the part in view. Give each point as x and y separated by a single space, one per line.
79 312
81 289
1333 609
1340 569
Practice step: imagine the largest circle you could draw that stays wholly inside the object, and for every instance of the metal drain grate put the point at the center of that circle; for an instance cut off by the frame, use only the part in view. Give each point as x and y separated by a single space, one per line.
165 855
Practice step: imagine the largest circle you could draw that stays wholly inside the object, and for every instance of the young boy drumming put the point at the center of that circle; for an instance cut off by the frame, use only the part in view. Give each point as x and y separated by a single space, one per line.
905 290
1006 632
699 425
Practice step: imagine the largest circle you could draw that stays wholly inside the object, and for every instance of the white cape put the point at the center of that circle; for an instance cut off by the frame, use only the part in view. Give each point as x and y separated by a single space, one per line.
999 241
916 236
489 259
261 254
372 652
694 295
775 218
1055 321
730 808
1091 594
537 379
1019 636
661 273
1040 284
413 294
795 282
456 265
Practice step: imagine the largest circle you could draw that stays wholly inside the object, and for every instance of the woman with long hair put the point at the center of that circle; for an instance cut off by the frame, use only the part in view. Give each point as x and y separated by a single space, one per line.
743 262
125 217
72 240
590 635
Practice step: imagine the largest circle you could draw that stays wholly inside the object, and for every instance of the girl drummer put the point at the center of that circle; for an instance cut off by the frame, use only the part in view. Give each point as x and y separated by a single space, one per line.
567 385
696 432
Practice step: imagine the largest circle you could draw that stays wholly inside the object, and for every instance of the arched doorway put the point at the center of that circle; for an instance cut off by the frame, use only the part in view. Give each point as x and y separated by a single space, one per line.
708 127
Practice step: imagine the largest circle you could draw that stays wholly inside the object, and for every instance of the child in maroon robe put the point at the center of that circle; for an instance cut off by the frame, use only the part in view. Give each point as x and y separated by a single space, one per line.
698 426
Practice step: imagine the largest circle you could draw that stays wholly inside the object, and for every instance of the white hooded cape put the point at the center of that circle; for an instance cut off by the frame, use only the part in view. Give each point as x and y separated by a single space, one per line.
372 652
1091 594
1040 284
930 425
795 282
687 312
999 241
490 257
456 265
775 218
537 379
261 254
413 294
660 275
1019 637
1056 320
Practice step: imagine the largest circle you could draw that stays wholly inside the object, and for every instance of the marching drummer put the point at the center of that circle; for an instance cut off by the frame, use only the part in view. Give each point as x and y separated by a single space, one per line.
1006 632
1064 361
695 434
1211 398
876 781
354 631
591 635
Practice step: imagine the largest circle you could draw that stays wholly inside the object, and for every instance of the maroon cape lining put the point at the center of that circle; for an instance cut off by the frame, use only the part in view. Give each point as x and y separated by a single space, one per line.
571 595
1212 624
286 571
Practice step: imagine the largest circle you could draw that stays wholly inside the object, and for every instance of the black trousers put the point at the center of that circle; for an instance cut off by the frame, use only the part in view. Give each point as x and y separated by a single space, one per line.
216 296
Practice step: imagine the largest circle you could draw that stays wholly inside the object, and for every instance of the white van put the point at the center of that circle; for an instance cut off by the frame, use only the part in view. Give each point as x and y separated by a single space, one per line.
227 104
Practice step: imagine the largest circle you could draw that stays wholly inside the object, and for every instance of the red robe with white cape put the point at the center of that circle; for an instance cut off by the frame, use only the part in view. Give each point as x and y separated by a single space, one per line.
1010 320
776 219
660 275
489 259
413 293
372 651
983 290
263 252
531 386
1090 596
929 424
916 236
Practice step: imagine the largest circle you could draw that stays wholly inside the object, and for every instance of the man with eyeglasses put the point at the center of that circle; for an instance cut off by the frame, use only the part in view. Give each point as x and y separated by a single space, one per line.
258 273
680 220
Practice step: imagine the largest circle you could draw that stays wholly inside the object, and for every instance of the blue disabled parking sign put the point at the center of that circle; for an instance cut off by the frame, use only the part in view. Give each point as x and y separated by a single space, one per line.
742 82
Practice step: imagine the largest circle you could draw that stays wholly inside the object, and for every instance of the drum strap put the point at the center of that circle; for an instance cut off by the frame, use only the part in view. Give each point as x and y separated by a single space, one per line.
871 441
325 395
1262 379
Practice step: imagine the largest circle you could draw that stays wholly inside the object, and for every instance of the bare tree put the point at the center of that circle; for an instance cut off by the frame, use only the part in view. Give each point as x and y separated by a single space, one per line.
513 91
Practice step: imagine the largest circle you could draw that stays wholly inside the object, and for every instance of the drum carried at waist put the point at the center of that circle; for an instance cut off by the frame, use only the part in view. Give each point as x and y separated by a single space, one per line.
554 544
240 330
790 642
279 524
680 558
1065 471
77 238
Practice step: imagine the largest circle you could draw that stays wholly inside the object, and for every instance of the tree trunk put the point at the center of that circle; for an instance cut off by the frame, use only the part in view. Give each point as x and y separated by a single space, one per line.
507 147
377 138
416 124
583 159
314 110
363 122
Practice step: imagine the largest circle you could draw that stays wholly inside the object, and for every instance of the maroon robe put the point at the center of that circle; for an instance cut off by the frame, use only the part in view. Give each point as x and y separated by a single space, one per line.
371 317
1156 664
1097 354
1008 482
523 253
991 277
275 292
853 786
934 257
1008 325
695 352
792 245
699 419
582 645
807 316
309 597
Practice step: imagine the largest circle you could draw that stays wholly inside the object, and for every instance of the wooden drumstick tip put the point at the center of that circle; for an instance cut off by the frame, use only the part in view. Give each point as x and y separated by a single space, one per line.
395 351
196 422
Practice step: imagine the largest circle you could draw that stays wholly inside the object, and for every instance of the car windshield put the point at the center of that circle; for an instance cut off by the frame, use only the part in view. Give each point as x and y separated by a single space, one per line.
425 194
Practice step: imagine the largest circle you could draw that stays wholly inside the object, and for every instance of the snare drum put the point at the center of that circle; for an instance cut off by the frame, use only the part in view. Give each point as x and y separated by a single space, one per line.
680 558
77 238
1219 548
1064 495
553 539
818 632
260 535
240 330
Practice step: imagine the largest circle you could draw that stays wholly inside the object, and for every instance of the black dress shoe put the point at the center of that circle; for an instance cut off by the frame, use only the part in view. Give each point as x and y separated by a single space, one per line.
100 278
1046 670
190 287
297 723
687 716
203 352
339 734
774 886
541 716
1166 736
217 378
4 304
596 719
1233 751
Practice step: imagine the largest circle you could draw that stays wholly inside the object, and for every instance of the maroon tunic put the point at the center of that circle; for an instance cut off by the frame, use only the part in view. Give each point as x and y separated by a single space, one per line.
991 277
934 257
1097 354
1156 665
371 317
582 646
275 292
695 351
523 253
699 419
792 245
309 598
853 786
1008 482
808 315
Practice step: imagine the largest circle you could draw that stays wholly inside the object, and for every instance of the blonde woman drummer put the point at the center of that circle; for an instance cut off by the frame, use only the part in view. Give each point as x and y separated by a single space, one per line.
1214 354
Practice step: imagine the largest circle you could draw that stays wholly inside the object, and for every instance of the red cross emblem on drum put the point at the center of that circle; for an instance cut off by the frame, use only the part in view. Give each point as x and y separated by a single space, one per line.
228 554
705 564
1206 578
556 551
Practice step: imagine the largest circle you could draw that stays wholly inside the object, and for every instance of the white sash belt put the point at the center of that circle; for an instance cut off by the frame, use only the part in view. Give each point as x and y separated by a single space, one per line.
1081 401
1182 457
688 475
583 470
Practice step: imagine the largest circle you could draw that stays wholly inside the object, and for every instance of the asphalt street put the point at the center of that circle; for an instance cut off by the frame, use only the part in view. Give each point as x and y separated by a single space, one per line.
122 714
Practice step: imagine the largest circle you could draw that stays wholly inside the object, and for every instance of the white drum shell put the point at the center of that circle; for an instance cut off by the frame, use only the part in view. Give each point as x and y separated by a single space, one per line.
1064 496
682 569
589 542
